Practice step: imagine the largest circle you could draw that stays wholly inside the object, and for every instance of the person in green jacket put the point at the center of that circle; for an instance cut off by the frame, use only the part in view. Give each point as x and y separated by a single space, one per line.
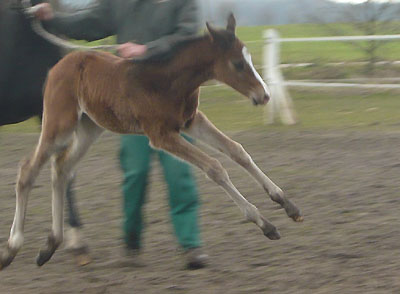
143 27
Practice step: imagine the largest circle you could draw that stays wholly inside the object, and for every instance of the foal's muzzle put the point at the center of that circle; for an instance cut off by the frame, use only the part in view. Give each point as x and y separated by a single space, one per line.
260 99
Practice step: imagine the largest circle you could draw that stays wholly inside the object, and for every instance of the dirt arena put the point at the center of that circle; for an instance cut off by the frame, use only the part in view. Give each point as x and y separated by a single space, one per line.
346 183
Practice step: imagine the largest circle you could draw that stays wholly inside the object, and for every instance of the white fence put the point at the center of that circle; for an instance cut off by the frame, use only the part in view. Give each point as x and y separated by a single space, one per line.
281 103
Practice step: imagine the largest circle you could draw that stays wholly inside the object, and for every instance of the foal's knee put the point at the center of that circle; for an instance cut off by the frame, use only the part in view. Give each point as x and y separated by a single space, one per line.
239 155
217 173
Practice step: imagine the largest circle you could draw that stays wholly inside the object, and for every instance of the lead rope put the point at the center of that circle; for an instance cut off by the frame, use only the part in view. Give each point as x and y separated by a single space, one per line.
37 27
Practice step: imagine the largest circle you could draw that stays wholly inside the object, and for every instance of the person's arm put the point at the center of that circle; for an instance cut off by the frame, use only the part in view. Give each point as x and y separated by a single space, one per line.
90 24
187 25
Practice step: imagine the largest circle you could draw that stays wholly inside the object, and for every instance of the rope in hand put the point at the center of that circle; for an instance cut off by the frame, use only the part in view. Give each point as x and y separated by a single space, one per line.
37 27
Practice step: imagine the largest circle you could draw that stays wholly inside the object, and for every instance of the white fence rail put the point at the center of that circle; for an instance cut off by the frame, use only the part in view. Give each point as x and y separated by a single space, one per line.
281 103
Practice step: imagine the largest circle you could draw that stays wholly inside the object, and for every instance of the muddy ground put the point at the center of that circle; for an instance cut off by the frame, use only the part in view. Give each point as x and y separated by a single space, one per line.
345 182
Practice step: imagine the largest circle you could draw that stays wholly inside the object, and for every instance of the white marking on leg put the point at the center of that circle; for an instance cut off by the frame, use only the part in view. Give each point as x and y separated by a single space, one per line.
28 171
16 240
73 239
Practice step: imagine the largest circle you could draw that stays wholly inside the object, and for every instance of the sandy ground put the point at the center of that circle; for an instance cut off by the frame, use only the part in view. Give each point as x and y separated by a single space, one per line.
345 182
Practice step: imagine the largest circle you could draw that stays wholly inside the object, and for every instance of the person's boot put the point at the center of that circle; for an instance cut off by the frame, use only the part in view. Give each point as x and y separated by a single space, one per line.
195 258
133 258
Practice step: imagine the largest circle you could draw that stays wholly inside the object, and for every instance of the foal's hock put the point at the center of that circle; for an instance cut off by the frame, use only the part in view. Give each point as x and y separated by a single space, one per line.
87 92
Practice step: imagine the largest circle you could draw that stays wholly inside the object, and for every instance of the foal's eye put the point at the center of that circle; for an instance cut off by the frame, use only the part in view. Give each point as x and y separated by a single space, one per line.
238 65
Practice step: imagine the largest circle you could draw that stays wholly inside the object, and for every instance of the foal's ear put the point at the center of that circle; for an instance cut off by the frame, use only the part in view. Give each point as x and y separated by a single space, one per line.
213 32
231 26
222 38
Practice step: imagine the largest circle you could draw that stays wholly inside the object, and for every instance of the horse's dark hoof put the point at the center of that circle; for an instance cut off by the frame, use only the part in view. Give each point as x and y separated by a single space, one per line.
7 257
270 230
5 262
273 235
293 212
44 256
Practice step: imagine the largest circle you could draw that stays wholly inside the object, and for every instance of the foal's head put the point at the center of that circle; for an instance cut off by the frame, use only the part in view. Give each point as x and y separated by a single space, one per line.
234 67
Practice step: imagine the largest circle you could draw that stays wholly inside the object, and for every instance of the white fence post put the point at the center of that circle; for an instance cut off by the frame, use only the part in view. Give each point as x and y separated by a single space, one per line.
281 102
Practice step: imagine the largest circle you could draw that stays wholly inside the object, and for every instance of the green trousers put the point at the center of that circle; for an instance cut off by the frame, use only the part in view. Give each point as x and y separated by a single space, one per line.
135 157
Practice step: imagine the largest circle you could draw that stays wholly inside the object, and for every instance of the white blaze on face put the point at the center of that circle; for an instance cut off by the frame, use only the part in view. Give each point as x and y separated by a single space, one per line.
247 57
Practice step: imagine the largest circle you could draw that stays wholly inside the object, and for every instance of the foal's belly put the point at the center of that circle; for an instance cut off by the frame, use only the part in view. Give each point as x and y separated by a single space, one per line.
122 122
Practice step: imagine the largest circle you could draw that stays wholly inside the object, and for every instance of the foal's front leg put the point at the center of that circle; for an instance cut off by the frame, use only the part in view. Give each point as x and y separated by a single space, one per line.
201 128
176 145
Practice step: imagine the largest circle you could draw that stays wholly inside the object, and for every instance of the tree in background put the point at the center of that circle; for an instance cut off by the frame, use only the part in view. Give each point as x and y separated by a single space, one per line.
367 18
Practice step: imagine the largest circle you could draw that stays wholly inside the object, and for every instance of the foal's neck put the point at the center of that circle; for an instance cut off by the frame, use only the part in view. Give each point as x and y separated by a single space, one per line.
191 66
195 62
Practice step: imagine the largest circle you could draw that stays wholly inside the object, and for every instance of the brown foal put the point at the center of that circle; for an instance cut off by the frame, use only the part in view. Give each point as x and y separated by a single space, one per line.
87 92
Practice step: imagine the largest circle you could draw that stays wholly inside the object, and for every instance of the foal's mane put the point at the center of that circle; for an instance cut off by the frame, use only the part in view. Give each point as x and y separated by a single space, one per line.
161 56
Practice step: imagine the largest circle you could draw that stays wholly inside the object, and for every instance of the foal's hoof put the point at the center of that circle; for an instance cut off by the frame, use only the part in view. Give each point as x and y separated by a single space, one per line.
5 262
45 254
81 255
43 257
270 230
298 218
82 260
293 212
7 257
273 235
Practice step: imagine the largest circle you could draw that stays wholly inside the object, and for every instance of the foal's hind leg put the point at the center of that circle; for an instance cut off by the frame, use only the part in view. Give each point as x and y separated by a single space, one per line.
74 241
62 168
28 172
201 128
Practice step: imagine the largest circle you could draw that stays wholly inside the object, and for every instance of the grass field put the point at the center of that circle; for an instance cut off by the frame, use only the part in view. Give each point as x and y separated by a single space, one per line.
315 108
319 51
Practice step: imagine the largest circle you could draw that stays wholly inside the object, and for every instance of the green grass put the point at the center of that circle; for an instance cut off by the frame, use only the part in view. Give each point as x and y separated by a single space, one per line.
316 51
28 126
325 109
317 109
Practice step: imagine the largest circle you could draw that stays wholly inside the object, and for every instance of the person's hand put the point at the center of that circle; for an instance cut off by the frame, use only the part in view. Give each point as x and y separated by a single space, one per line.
43 11
131 50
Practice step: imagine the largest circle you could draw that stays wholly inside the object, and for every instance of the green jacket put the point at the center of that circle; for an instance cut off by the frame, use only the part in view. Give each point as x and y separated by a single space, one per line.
155 23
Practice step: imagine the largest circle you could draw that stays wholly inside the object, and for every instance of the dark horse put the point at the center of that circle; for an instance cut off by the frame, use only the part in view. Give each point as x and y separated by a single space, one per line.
25 59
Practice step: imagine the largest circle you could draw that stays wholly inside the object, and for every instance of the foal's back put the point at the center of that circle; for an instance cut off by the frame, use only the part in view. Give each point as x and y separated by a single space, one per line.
95 83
